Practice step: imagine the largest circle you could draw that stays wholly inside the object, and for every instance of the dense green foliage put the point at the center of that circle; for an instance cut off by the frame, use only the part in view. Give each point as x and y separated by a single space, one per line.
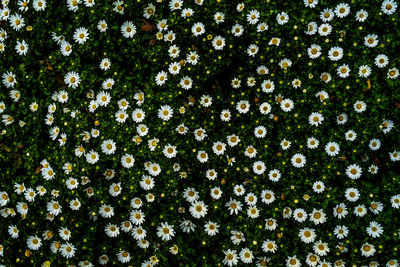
301 99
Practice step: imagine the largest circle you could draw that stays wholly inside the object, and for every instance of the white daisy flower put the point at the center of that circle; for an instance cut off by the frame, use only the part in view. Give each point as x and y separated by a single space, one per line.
342 10
17 22
225 115
198 29
175 4
252 50
243 106
147 182
274 41
173 51
282 18
307 235
374 229
240 7
202 156
128 29
341 231
92 157
102 26
321 248
374 144
393 73
373 169
361 15
174 68
287 105
2 47
123 104
206 101
298 160
182 129
352 194
72 183
72 79
261 27
360 106
395 201
13 231
343 71
33 242
269 246
253 16
318 187
75 204
124 256
186 82
161 78
335 53
327 15
81 35
165 112
259 167
149 11
285 63
371 40
218 42
192 57
268 86
9 79
332 149
353 171
364 71
170 151
260 132
219 17
314 51
137 217
105 64
216 192
324 29
127 161
367 250
381 61
300 215
315 119
103 98
340 210
154 169
376 207
211 228
108 83
394 156
312 28
246 255
233 206
54 208
231 257
389 7
165 231
312 143
21 48
360 211
251 199
187 12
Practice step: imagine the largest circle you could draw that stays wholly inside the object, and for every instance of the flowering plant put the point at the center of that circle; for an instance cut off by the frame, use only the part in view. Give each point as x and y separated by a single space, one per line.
199 133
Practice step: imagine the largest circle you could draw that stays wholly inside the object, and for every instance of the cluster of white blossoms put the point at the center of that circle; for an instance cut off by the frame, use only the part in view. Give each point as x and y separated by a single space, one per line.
226 159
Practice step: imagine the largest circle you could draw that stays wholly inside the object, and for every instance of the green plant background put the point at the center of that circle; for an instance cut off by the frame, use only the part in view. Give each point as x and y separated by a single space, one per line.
135 62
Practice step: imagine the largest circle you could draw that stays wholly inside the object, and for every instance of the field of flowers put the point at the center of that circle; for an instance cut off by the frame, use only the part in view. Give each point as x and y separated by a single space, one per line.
199 133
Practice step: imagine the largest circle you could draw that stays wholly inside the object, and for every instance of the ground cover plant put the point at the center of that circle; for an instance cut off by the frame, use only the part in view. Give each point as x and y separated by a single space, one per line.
199 133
